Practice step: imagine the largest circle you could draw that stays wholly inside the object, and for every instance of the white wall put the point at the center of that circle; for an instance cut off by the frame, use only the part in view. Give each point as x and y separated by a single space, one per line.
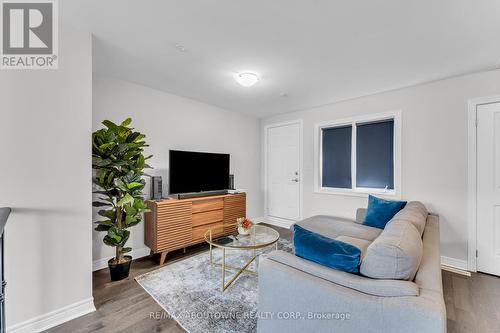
434 150
173 122
45 176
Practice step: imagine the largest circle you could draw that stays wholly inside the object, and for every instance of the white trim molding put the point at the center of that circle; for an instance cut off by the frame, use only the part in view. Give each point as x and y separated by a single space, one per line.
103 262
301 166
283 223
472 177
54 318
396 115
458 266
259 219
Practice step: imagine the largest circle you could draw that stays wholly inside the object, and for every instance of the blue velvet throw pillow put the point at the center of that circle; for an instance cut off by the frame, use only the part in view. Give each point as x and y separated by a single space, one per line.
381 211
325 251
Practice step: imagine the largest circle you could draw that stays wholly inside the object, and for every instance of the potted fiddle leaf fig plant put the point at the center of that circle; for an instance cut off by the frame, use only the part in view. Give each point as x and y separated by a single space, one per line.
118 163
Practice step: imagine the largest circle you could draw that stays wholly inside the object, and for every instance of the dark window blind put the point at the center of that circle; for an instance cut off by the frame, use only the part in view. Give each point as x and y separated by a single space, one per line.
336 156
375 154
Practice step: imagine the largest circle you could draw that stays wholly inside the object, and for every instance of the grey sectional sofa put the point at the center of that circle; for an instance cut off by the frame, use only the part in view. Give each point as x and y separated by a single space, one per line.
297 295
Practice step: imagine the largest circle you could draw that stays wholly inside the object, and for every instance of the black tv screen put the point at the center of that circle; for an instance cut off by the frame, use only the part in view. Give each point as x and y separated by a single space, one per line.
197 172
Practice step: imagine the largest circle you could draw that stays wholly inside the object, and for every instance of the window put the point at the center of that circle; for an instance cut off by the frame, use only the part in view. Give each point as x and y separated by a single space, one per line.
337 157
359 155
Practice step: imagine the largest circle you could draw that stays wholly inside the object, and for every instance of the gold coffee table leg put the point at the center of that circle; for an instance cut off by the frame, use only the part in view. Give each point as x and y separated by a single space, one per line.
223 268
210 255
241 270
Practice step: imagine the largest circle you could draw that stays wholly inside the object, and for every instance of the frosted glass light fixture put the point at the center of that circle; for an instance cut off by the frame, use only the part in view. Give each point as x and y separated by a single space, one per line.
247 79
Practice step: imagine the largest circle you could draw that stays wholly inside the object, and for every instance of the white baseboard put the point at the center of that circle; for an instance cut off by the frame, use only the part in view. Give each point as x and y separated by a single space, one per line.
283 223
259 219
454 265
54 318
103 263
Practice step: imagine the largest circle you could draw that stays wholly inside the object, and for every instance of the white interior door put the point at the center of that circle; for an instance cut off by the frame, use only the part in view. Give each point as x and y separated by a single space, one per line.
283 171
488 188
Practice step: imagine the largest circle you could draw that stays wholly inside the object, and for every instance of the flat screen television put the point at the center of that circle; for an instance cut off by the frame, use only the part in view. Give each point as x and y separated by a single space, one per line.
197 172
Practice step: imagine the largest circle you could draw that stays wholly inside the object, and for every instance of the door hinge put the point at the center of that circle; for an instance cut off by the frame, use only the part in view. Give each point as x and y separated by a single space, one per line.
476 253
477 122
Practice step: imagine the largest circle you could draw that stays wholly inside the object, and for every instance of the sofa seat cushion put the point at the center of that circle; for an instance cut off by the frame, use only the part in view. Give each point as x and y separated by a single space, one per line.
395 254
333 227
415 213
383 288
361 244
325 251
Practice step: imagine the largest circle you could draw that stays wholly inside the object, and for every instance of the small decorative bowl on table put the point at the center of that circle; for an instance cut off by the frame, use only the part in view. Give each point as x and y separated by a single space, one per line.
244 226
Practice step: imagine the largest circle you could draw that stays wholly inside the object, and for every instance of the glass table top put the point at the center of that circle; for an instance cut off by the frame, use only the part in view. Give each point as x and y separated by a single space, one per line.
259 236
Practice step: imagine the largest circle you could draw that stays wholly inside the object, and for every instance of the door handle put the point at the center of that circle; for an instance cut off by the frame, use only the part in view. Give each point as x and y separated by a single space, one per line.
295 180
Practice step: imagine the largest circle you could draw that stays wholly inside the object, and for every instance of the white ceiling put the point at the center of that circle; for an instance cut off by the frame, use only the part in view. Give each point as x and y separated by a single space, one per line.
314 51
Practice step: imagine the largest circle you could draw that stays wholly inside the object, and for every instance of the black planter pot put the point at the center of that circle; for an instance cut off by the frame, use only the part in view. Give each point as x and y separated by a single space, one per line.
119 271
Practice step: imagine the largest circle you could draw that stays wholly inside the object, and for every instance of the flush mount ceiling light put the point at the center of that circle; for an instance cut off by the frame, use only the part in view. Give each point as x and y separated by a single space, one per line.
247 79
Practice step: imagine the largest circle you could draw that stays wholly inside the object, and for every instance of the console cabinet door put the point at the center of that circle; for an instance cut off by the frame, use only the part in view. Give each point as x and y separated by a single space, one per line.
174 225
234 207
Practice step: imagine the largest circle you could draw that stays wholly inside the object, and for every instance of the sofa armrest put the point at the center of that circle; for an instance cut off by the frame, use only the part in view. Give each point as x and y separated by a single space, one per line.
386 288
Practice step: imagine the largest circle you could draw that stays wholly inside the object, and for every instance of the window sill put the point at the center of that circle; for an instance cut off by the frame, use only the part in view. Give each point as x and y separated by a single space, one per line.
364 193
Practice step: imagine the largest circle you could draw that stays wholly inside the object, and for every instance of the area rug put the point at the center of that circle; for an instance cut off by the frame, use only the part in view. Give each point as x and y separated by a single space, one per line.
189 290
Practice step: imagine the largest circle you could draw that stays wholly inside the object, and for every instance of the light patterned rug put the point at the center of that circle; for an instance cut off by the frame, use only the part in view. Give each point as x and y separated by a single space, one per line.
190 292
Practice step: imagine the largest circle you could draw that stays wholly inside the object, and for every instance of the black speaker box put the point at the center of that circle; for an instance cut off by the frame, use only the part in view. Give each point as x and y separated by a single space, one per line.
157 188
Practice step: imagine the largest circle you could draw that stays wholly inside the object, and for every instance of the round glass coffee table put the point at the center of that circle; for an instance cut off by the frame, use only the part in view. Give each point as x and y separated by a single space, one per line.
259 237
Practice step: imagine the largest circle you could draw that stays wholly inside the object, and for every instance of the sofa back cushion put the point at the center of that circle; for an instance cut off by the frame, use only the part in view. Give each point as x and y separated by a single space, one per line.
415 213
395 254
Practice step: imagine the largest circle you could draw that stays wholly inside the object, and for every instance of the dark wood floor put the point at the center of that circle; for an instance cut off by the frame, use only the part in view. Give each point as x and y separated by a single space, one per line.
472 303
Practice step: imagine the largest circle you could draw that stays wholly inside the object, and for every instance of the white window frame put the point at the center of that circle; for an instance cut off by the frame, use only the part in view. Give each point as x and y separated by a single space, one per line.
358 191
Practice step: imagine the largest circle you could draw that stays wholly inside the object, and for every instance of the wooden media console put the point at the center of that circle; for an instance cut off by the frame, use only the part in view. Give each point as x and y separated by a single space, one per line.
177 223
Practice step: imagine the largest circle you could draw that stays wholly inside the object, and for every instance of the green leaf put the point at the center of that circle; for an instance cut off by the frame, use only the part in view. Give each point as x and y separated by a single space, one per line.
130 219
102 176
131 224
100 204
133 185
102 227
139 137
126 249
139 204
126 122
109 241
110 213
107 145
111 176
114 235
130 210
140 162
100 192
122 147
111 125
121 185
100 162
127 199
105 222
